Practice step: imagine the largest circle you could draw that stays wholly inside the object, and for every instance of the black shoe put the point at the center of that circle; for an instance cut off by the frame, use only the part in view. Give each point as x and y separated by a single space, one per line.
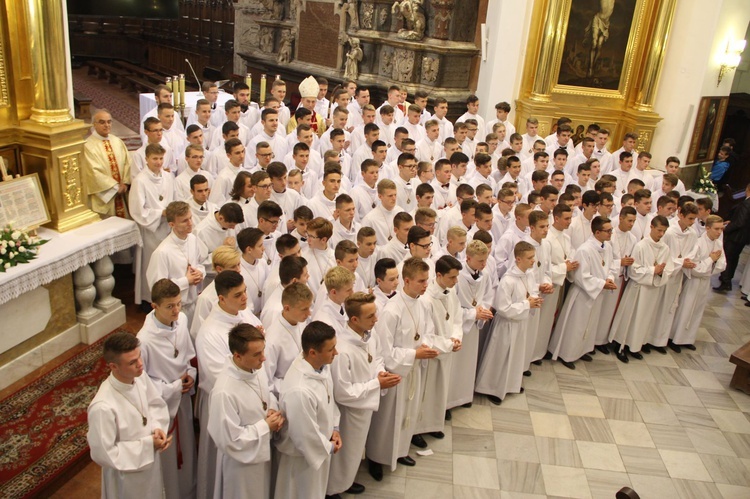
646 348
448 415
603 349
145 307
723 287
537 362
688 346
636 355
586 357
418 441
747 303
356 488
467 405
406 461
437 434
674 346
661 350
527 373
548 356
334 496
376 470
593 352
494 400
622 357
567 364
522 390
744 297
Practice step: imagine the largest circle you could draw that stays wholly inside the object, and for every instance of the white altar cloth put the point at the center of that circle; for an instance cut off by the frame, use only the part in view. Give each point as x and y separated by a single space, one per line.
67 252
147 101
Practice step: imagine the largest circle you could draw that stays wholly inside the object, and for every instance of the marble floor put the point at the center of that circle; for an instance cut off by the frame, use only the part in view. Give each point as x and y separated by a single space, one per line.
668 426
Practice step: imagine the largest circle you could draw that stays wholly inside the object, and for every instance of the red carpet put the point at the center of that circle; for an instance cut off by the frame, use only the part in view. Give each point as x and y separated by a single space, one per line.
43 425
126 113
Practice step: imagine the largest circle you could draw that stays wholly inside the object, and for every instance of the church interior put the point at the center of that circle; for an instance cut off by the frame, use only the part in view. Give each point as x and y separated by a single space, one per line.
672 75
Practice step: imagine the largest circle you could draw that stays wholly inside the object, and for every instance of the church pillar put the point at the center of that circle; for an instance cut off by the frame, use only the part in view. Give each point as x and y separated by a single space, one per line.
51 141
655 56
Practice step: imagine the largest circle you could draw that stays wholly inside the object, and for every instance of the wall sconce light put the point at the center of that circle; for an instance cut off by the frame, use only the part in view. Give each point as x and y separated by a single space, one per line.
731 59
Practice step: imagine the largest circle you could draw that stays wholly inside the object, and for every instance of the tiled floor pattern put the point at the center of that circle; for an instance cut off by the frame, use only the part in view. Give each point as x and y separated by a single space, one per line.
667 426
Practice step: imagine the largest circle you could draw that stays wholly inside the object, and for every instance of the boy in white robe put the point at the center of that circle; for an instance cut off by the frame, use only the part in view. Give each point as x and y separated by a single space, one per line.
235 153
155 133
447 317
368 254
180 256
253 266
580 227
359 376
311 435
345 228
243 417
475 294
128 422
638 307
223 258
151 191
319 254
212 350
710 260
682 242
283 336
398 247
386 282
166 350
504 247
623 242
575 332
381 217
218 229
403 333
501 369
194 156
339 285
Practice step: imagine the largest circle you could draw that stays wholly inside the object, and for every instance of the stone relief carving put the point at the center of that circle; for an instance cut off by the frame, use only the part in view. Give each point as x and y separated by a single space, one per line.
403 64
285 46
266 40
430 68
295 8
368 10
413 19
443 15
353 58
386 63
350 8
382 17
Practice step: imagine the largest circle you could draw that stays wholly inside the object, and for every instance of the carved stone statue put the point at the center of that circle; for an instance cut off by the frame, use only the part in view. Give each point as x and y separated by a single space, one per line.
403 64
430 68
266 40
353 58
414 20
368 10
350 8
443 14
285 47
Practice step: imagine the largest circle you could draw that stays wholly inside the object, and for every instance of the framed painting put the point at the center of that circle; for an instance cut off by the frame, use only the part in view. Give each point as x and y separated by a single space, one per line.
707 131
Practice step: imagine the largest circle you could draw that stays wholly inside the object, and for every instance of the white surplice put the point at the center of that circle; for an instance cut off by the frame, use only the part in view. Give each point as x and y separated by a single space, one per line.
539 327
243 438
121 439
166 351
381 220
356 389
283 345
622 246
305 446
318 263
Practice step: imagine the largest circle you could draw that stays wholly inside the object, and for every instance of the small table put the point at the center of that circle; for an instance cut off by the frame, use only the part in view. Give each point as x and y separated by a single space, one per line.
741 378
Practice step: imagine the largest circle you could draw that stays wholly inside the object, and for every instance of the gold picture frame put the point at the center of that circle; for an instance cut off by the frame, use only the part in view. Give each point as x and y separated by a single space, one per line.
22 203
707 132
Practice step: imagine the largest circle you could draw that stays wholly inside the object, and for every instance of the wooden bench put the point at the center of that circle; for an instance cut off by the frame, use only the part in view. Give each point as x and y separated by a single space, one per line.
139 84
103 70
741 378
82 105
146 74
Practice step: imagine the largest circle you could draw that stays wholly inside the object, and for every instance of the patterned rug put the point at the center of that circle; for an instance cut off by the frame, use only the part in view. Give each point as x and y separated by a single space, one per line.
43 425
126 113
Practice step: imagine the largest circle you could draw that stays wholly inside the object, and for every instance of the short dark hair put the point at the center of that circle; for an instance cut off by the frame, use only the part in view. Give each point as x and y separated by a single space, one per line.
162 289
291 267
117 344
227 280
249 237
268 209
446 263
382 266
242 334
232 213
197 180
315 335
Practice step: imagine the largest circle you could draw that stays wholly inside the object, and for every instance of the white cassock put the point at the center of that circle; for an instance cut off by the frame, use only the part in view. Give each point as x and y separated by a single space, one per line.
332 314
171 260
305 445
396 250
541 321
237 414
641 227
696 290
283 345
182 183
406 193
622 246
471 293
254 274
501 369
356 389
429 150
639 305
403 326
444 195
365 199
223 184
318 263
149 196
381 220
682 245
289 200
166 352
207 300
138 161
201 211
272 307
211 233
505 246
321 206
121 439
576 328
212 349
579 231
366 269
340 233
447 317
560 251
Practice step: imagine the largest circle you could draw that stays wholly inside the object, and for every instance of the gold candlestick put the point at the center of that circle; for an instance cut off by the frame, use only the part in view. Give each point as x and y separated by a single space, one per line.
249 83
262 97
182 93
176 91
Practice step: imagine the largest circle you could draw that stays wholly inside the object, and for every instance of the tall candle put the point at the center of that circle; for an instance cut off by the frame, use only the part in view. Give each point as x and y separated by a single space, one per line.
182 91
176 90
262 97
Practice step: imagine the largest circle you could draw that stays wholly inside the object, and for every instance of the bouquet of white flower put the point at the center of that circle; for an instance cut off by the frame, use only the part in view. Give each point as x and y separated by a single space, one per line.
703 183
17 246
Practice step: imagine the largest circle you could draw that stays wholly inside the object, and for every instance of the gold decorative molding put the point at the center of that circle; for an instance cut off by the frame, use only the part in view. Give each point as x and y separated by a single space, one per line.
4 92
621 104
71 175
